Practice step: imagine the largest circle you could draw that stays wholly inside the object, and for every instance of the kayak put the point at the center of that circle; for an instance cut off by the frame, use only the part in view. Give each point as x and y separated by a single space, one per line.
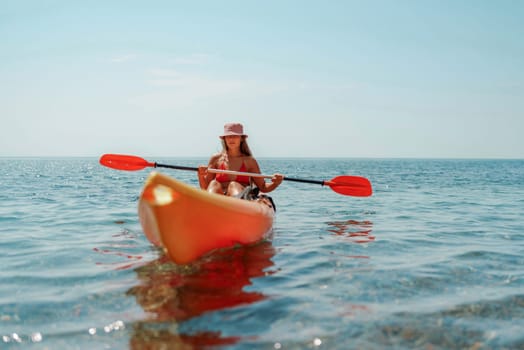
188 222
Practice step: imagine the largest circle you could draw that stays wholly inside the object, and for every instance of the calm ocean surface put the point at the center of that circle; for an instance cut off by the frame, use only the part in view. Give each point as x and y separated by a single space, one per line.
433 260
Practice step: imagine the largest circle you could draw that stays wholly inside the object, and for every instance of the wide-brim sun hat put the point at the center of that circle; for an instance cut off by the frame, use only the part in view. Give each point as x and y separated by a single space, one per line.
233 129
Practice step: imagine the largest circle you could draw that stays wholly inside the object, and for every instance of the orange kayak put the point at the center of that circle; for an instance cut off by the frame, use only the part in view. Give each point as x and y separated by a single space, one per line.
189 222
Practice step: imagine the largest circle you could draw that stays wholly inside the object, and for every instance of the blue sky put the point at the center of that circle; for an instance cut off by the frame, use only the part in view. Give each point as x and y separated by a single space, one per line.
405 78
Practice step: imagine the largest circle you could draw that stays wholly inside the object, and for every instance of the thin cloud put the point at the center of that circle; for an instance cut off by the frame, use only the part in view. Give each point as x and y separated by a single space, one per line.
123 58
172 88
213 86
164 73
196 58
173 78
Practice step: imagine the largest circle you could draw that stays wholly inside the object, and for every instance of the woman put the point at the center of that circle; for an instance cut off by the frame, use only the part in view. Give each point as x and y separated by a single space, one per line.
235 156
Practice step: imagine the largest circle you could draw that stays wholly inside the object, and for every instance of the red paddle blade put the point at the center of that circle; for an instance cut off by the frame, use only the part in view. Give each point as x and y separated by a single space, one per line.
124 162
348 185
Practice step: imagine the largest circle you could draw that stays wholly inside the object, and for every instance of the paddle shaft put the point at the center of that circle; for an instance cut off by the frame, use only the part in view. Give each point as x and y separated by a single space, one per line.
211 170
238 173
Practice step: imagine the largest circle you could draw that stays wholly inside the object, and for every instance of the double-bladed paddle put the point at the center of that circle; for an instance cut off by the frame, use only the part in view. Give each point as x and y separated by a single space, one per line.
348 185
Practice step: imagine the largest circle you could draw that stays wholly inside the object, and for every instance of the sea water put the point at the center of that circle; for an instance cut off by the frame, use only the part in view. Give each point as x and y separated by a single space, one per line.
433 260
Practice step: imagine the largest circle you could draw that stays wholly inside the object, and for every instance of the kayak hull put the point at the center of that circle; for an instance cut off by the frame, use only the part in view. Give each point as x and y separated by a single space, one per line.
189 222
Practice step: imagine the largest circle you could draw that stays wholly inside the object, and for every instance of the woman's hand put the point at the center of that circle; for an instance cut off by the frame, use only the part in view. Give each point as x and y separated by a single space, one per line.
202 176
276 180
202 170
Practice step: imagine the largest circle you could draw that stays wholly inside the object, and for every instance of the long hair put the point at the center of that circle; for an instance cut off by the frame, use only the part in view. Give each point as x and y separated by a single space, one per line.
244 147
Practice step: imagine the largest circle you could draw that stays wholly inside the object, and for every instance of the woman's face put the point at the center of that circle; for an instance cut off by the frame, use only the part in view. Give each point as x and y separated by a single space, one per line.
233 141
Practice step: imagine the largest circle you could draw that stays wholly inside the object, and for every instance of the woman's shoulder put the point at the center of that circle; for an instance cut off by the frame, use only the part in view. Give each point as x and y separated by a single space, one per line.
250 162
215 158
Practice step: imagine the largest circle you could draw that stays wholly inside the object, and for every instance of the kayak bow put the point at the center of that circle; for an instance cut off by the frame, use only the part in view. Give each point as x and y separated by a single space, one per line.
189 222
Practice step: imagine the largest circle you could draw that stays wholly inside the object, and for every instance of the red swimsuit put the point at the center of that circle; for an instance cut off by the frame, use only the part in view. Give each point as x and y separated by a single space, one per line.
244 180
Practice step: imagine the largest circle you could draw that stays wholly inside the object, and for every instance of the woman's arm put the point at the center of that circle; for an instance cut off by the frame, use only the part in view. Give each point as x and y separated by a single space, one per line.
205 177
261 183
